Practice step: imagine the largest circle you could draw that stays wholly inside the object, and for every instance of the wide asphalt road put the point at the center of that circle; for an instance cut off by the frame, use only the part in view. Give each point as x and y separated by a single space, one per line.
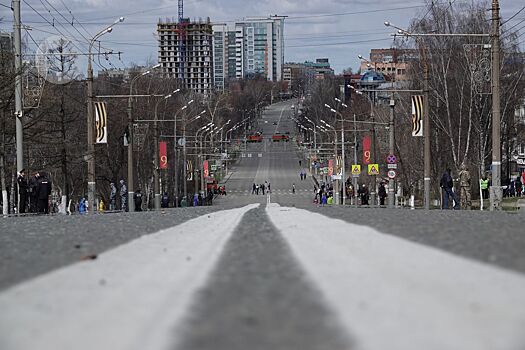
261 272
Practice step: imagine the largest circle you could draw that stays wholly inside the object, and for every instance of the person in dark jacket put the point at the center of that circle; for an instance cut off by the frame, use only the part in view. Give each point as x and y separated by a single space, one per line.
137 198
447 185
43 191
382 193
364 194
33 197
165 200
23 189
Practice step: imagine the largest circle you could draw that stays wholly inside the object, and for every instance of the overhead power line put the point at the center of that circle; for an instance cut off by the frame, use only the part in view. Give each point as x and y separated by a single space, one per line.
514 15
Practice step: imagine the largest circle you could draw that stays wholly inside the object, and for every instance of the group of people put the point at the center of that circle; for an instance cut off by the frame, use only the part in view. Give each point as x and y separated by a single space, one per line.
324 194
123 193
34 192
517 186
302 175
256 188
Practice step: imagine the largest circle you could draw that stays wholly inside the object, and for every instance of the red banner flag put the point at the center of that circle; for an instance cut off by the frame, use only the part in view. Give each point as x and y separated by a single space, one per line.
330 167
205 168
367 142
163 154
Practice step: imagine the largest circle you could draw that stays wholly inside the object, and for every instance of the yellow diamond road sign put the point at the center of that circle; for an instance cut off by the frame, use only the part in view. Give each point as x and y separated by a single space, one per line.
356 169
373 169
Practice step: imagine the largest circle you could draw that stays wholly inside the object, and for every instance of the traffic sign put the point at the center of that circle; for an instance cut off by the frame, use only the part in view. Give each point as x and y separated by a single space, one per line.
391 174
392 166
356 169
391 159
373 169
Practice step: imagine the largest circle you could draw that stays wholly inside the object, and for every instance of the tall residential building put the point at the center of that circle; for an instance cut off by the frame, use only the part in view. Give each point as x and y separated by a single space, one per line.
193 64
251 47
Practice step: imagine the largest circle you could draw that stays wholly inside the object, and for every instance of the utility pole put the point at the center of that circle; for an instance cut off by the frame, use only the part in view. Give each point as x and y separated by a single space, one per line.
90 132
426 135
184 160
391 183
343 193
19 113
374 179
496 190
354 178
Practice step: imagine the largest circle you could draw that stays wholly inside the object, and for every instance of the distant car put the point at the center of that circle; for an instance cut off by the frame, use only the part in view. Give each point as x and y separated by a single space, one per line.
274 123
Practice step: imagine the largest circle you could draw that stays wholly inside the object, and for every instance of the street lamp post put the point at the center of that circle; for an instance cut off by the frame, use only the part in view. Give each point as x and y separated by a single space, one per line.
185 165
90 125
335 158
343 167
156 155
131 190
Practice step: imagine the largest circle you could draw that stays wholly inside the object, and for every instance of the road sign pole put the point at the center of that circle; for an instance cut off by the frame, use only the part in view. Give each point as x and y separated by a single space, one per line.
391 183
354 179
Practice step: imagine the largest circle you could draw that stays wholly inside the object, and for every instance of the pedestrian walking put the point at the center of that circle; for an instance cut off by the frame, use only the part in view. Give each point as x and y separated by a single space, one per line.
257 189
447 185
82 207
484 185
263 187
113 197
382 193
363 194
324 200
33 196
519 187
465 191
254 188
123 196
137 199
293 188
165 200
23 188
195 200
43 191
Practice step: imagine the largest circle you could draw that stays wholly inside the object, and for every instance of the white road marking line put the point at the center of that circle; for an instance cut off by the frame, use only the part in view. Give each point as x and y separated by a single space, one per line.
394 294
148 286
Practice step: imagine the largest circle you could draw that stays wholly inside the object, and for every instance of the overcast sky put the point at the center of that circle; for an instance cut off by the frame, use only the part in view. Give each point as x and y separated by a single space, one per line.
336 29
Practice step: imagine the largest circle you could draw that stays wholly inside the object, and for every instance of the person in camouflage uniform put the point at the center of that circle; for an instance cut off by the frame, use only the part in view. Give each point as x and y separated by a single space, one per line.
464 183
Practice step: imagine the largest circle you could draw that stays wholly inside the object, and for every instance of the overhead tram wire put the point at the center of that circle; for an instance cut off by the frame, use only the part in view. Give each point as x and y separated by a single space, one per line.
78 31
340 43
80 42
511 17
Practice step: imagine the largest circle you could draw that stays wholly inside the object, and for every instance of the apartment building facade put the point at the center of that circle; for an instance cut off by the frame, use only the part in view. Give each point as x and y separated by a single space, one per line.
186 53
253 47
392 62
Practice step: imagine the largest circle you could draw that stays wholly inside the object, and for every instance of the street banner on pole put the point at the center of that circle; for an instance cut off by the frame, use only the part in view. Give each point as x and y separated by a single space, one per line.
205 168
367 142
330 167
189 170
163 154
101 122
417 115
